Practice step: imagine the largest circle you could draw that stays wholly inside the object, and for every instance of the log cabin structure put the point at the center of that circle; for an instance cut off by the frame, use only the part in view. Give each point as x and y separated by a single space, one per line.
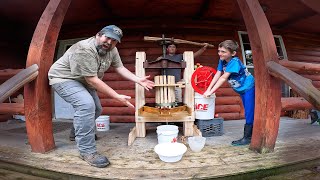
283 36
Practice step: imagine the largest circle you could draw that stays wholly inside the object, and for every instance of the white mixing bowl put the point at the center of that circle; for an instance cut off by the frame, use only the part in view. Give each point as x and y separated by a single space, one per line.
170 152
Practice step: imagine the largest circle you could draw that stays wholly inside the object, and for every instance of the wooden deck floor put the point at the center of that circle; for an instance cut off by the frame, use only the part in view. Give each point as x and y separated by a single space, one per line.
298 142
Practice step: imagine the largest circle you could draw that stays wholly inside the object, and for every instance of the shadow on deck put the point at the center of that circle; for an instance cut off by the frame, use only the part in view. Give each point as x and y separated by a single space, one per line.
298 145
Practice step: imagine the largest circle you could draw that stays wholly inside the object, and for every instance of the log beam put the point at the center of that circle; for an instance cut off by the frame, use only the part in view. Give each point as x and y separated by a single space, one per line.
268 96
313 4
6 74
37 93
12 108
295 103
300 66
301 85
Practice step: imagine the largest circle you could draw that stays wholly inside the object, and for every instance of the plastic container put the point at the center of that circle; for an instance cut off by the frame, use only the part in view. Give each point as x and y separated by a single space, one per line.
167 133
103 123
196 143
170 152
212 127
204 107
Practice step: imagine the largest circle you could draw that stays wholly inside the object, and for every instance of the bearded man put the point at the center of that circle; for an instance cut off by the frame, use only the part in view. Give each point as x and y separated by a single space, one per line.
77 76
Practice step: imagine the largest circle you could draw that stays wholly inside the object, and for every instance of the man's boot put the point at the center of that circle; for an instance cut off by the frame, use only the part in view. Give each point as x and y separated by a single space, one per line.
247 134
95 159
72 135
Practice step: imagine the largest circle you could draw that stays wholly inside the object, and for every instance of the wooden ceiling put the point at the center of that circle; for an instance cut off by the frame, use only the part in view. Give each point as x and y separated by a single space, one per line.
292 15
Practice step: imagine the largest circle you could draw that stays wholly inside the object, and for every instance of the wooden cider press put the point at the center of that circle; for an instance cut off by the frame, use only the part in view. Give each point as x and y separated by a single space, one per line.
165 108
165 84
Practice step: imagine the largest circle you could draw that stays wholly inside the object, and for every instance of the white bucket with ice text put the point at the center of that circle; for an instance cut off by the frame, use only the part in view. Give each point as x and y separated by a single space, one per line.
103 123
204 107
167 133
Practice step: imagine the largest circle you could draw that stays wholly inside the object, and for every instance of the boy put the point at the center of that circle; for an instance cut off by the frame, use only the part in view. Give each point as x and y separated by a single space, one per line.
240 80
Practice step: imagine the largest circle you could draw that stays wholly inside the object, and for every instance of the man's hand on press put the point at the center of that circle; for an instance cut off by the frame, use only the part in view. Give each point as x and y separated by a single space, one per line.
146 83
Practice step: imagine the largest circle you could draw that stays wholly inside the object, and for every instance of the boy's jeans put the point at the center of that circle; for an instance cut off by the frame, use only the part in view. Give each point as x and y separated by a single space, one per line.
248 101
87 107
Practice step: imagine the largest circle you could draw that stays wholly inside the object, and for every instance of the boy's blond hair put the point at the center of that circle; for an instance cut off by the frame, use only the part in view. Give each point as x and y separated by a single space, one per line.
231 45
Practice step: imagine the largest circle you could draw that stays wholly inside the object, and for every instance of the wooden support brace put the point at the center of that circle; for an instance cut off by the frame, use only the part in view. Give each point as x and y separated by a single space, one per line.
196 131
188 128
141 129
132 136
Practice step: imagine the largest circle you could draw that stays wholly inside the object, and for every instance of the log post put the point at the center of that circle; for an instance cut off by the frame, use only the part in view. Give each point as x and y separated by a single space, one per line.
37 93
268 89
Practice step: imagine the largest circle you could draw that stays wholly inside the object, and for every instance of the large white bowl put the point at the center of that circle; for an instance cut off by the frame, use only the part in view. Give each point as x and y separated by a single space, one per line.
170 152
196 143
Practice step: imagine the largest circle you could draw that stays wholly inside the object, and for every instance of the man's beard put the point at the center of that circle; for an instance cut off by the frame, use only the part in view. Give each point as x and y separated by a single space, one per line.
102 51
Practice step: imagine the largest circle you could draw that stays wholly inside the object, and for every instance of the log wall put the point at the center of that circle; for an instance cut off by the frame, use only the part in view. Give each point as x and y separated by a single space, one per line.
304 49
299 47
228 103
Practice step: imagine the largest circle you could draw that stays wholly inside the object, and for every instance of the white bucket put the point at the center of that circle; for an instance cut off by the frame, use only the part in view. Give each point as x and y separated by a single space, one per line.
167 133
204 107
103 123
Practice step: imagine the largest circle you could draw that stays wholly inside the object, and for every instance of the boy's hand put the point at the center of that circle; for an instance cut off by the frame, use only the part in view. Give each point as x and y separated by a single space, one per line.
206 94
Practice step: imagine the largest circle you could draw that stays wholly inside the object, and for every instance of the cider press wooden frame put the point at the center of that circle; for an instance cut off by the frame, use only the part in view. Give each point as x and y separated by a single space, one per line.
187 116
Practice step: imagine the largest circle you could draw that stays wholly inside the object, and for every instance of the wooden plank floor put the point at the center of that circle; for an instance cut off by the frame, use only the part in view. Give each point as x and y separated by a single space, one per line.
298 141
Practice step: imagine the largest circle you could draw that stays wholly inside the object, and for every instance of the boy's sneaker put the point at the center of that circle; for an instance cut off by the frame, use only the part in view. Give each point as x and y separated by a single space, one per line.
95 159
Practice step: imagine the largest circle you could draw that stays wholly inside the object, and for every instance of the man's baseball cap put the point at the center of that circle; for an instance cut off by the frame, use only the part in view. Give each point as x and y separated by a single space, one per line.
112 31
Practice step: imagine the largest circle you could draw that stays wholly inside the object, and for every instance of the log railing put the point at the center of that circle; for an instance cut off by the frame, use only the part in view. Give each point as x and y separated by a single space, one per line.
17 81
301 85
18 78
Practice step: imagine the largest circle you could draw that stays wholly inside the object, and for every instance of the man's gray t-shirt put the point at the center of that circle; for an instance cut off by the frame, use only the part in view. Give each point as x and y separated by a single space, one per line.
81 60
174 72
